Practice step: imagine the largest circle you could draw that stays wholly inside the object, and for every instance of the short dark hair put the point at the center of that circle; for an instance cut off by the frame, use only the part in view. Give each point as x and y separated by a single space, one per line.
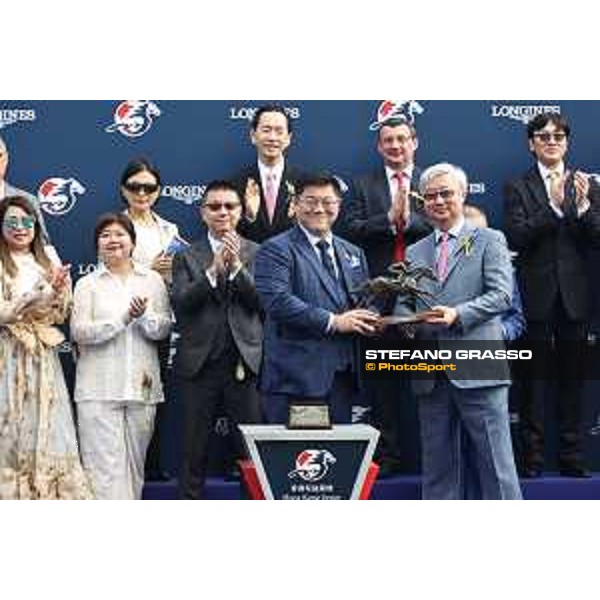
135 166
267 108
220 185
540 121
397 122
318 180
110 219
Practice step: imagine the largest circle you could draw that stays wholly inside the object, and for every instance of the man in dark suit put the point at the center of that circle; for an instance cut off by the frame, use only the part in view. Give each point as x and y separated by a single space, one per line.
382 217
267 186
219 319
552 219
308 280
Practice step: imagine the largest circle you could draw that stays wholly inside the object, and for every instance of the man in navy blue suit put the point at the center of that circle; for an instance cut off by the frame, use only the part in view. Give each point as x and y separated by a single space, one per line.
309 280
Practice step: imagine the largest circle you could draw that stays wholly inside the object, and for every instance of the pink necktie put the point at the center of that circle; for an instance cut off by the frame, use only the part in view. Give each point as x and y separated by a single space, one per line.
442 261
400 242
271 196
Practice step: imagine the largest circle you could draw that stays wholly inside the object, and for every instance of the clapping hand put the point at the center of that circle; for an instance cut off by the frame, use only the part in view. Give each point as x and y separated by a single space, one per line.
231 250
252 199
138 306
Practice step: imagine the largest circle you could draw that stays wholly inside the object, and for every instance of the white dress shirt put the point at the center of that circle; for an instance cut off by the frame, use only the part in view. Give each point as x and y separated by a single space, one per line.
118 358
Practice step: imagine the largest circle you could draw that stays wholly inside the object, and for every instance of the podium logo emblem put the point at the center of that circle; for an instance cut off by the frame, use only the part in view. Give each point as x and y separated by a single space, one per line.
133 118
58 195
312 465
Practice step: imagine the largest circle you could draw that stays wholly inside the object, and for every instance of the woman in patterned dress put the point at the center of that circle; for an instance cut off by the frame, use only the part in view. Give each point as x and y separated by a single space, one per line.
39 457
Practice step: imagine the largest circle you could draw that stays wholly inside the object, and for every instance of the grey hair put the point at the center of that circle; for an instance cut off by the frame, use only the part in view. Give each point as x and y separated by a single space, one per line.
3 145
443 169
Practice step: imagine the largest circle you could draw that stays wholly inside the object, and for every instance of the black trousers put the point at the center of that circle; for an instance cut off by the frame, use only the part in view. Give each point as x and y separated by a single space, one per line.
564 369
215 386
386 396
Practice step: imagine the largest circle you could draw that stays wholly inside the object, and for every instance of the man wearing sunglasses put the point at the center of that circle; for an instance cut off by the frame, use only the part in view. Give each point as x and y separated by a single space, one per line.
219 320
6 189
552 219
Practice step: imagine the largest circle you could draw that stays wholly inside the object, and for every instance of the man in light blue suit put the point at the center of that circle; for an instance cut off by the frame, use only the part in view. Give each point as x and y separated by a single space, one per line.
309 282
472 290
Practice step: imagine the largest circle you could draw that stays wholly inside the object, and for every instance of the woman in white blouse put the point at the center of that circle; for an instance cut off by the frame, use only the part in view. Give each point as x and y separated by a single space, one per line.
120 312
156 239
140 189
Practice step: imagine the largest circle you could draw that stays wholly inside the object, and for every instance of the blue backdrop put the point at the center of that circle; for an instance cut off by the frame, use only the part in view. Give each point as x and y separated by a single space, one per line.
72 154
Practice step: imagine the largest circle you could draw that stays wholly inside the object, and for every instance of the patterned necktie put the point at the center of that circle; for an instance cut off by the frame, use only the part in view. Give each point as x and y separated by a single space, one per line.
555 188
326 260
270 196
442 261
400 242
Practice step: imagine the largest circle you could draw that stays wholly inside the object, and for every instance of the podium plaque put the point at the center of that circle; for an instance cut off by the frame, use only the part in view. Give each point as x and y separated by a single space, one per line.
296 464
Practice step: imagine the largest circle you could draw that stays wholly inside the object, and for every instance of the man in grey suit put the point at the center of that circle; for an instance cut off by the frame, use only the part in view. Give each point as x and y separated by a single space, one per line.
472 290
219 320
7 190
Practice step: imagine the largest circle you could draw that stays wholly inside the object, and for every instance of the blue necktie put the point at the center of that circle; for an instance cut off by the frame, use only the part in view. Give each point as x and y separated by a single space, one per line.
326 259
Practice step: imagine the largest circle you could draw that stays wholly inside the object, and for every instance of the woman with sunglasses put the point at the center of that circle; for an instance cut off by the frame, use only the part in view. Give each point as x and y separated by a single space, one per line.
39 458
157 241
156 237
120 313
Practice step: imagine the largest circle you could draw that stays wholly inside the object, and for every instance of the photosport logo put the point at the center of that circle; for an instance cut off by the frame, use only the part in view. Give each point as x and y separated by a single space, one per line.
246 113
312 465
396 109
522 112
58 195
10 116
133 118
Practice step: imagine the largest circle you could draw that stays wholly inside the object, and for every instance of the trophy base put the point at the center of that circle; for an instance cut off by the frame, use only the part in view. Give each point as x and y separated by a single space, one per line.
309 416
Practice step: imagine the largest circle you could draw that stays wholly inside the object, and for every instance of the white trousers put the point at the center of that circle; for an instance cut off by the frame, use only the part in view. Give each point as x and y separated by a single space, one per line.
114 437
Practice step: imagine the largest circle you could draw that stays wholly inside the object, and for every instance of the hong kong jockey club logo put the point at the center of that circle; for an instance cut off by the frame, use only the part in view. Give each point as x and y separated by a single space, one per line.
396 109
58 196
133 118
312 465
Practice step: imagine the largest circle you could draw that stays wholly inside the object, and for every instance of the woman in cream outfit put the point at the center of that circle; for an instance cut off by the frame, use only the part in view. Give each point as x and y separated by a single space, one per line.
120 312
39 458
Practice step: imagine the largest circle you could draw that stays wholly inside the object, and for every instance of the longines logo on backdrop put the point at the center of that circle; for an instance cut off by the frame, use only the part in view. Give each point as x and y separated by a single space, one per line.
58 195
10 116
246 113
523 112
396 109
477 187
133 118
188 194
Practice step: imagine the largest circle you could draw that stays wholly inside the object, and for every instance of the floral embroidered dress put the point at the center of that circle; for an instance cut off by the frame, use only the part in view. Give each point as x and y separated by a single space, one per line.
39 457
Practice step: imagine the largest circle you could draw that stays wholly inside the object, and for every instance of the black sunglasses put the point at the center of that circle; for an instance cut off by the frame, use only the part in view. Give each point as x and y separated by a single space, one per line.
137 188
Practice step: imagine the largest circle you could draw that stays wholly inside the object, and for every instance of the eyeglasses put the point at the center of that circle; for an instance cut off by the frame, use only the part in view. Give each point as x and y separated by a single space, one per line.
217 206
141 188
311 202
14 223
444 195
546 137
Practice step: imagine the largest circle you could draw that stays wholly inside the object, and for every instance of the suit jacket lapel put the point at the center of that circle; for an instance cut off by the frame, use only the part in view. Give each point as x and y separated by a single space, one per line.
536 185
307 251
459 253
346 264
